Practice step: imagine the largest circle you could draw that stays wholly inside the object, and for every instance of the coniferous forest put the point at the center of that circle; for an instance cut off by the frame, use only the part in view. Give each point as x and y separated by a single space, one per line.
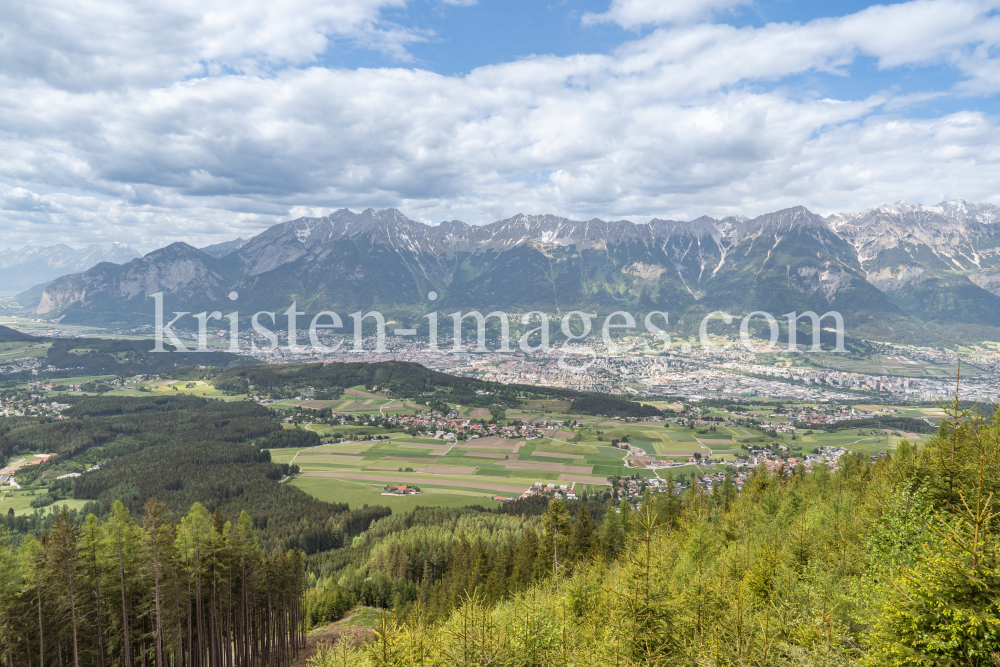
182 450
128 591
213 575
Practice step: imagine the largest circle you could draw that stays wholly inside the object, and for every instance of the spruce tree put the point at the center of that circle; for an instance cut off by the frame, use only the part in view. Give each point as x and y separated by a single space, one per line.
64 564
582 537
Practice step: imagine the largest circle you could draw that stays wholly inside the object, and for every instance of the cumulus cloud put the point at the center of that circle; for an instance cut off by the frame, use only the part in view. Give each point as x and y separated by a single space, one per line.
220 137
109 43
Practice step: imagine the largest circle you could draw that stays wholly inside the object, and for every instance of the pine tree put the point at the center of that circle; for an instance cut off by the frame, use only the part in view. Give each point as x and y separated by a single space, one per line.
121 526
65 564
582 538
557 524
11 576
93 554
524 560
155 522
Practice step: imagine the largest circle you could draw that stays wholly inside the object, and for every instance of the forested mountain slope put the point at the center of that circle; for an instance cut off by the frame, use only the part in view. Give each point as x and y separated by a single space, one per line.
895 562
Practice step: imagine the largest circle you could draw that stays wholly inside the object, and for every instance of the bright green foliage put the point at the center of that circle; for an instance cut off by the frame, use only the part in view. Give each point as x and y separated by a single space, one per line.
895 562
429 560
327 604
555 536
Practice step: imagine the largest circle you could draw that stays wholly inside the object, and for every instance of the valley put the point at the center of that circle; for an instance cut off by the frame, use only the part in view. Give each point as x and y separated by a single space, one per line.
410 496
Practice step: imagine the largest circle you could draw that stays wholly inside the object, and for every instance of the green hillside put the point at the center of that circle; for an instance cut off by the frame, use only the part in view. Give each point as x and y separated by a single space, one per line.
886 563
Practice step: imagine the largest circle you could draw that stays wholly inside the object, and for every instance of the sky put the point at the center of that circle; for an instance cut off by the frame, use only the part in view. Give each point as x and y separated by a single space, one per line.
149 122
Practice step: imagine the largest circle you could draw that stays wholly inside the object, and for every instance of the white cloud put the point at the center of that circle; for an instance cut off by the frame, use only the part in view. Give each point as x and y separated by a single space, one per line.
106 43
632 14
685 121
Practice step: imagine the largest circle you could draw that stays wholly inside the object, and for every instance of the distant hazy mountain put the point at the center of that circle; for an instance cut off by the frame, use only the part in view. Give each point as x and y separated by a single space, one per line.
895 269
32 265
223 249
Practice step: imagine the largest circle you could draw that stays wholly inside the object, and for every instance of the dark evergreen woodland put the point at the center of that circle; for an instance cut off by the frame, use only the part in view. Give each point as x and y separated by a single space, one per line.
124 593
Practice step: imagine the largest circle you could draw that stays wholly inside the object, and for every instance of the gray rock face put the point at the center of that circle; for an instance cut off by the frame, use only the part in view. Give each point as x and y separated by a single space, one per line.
901 243
178 270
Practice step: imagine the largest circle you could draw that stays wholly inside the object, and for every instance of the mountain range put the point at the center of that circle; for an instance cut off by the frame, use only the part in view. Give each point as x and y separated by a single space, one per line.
894 271
35 266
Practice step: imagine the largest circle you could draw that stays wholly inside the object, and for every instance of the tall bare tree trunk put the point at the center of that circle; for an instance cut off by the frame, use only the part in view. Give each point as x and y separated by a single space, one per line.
41 633
191 658
198 606
244 620
97 597
72 603
127 648
179 658
158 631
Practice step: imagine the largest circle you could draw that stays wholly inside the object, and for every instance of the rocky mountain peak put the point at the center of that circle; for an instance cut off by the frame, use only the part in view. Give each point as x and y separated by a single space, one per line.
959 209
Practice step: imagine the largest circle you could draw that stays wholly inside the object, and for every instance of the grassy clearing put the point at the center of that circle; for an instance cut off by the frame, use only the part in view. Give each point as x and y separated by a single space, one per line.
284 455
363 617
191 387
20 502
81 379
12 351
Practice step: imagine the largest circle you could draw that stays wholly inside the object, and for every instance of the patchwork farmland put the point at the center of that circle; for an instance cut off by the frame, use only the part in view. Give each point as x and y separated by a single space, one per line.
482 467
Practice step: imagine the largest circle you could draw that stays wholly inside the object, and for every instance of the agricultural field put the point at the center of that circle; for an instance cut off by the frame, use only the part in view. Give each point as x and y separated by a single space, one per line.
12 351
20 502
358 494
658 440
545 407
173 387
666 406
582 457
81 379
447 473
353 401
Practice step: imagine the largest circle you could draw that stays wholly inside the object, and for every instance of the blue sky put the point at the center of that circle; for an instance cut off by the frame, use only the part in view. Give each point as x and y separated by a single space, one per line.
489 32
462 38
493 31
148 122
